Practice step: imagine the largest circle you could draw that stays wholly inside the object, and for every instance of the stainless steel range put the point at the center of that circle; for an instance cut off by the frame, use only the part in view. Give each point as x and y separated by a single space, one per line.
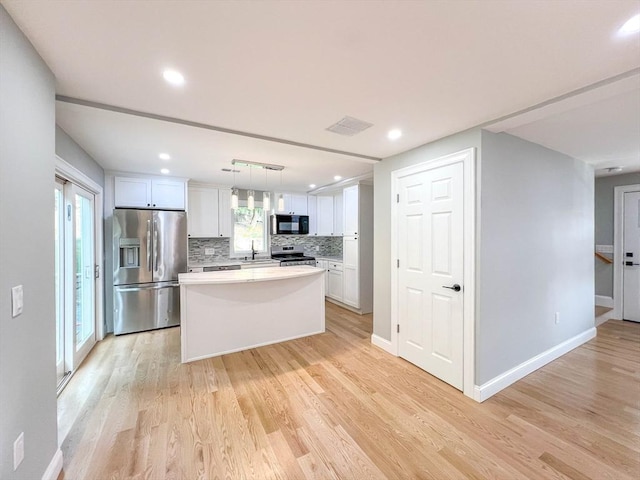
290 256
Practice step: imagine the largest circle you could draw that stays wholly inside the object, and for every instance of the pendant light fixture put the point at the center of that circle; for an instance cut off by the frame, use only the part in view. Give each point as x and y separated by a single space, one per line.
234 193
250 193
266 196
281 198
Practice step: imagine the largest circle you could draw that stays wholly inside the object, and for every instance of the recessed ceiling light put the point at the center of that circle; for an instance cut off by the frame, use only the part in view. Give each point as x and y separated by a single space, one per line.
631 26
173 77
614 169
312 185
164 156
394 134
337 177
164 170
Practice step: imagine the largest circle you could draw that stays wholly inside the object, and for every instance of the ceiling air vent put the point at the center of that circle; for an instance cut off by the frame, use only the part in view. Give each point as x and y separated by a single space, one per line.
349 126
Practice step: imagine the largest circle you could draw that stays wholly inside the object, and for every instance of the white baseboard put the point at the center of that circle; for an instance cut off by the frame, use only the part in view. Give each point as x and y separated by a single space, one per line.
603 301
384 344
55 467
493 386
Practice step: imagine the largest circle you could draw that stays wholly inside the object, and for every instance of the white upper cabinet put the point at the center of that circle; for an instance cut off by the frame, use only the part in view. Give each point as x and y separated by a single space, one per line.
324 215
209 212
202 217
136 192
168 194
294 204
351 209
225 214
132 192
337 214
312 211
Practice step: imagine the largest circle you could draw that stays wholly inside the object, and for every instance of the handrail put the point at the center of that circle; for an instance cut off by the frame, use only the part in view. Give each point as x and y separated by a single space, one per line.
604 258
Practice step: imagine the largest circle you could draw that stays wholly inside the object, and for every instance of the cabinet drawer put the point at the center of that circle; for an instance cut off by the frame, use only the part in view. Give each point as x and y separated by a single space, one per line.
335 266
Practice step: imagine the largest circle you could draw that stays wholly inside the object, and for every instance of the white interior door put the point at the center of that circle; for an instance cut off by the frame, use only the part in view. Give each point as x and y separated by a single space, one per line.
430 245
631 257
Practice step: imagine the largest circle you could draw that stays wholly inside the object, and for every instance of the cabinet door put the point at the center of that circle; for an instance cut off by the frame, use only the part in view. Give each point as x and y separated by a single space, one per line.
225 215
324 264
325 215
351 272
338 226
299 204
350 210
132 192
168 194
335 285
203 212
312 211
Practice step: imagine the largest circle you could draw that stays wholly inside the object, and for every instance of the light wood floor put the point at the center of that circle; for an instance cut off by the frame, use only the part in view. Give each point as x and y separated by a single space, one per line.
332 406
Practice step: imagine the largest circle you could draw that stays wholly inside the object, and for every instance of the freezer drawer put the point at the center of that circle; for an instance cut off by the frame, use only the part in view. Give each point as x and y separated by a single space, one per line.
145 307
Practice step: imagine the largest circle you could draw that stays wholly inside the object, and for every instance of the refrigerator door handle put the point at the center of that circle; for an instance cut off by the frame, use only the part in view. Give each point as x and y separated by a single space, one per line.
149 244
146 287
155 246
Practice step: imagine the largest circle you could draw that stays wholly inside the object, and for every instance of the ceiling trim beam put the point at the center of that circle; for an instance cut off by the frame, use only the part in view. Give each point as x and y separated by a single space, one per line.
164 118
608 87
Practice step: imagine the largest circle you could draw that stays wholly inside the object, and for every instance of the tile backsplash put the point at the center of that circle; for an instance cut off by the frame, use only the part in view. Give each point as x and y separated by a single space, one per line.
197 250
327 246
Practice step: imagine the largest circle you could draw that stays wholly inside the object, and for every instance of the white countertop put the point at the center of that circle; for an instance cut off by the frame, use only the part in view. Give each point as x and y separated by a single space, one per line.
331 259
249 275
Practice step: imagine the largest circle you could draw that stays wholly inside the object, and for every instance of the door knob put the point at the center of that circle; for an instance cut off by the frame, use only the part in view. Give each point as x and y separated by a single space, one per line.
455 288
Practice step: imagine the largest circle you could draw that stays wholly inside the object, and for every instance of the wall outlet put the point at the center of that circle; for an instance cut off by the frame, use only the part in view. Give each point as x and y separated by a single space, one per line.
18 451
557 318
16 301
209 251
317 248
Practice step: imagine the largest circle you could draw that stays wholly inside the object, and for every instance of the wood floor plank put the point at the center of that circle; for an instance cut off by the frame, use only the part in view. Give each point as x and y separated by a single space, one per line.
333 406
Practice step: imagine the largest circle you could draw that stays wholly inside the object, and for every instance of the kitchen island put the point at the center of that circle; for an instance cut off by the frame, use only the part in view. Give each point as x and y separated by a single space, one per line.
234 310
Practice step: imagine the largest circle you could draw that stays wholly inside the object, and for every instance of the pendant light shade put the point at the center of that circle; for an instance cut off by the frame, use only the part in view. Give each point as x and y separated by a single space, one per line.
251 200
266 201
281 203
234 198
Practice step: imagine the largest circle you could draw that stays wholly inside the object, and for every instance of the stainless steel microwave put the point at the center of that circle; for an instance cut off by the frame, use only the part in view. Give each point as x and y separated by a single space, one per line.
289 224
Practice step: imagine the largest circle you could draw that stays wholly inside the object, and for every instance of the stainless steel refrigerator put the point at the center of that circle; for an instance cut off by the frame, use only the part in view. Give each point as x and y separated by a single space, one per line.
149 251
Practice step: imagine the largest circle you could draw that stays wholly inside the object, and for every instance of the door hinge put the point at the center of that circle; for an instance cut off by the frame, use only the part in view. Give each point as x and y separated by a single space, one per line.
398 198
398 328
398 263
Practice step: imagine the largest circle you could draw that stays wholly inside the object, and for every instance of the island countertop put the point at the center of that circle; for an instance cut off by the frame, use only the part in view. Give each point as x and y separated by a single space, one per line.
248 275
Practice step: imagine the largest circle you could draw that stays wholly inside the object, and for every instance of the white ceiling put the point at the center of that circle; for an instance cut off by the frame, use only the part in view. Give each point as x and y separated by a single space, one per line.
290 69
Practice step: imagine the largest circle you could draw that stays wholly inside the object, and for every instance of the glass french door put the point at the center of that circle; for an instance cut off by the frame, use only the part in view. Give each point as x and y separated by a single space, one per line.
75 276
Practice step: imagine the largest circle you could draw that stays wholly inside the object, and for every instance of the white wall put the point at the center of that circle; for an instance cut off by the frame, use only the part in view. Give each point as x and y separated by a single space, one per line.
73 154
382 216
536 252
27 343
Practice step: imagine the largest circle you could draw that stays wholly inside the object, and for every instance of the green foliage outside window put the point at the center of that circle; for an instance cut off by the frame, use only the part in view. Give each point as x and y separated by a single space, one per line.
248 226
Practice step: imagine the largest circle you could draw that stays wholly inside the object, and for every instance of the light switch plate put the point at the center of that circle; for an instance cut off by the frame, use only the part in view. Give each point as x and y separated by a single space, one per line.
16 301
209 251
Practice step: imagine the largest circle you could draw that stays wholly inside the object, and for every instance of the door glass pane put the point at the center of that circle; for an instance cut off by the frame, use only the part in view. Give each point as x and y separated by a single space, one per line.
84 275
59 278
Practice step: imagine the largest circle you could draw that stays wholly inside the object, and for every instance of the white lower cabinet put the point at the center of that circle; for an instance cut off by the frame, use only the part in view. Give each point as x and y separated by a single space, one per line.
351 272
335 282
324 264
